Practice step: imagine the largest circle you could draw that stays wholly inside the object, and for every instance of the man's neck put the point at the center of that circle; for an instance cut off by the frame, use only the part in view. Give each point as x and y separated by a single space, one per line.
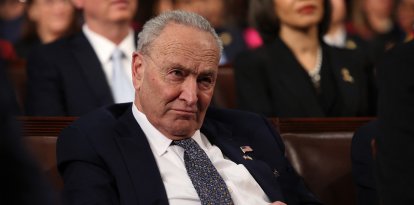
115 32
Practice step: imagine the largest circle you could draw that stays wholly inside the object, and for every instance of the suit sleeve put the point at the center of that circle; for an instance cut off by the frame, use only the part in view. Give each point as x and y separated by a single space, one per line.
85 175
293 186
44 93
251 87
363 164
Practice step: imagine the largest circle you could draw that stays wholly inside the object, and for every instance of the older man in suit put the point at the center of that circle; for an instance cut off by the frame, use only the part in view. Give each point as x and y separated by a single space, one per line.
169 147
87 70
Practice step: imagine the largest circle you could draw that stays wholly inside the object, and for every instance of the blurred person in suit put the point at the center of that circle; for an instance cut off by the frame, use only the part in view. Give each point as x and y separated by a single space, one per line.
372 17
217 13
404 15
395 153
21 177
337 34
11 19
296 74
45 22
89 69
374 22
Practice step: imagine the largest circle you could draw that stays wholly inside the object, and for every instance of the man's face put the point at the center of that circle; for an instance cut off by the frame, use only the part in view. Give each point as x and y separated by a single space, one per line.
108 11
175 80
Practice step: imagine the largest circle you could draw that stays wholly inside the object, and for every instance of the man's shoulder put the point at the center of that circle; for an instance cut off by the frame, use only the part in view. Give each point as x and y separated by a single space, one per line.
400 59
61 45
402 51
233 116
102 118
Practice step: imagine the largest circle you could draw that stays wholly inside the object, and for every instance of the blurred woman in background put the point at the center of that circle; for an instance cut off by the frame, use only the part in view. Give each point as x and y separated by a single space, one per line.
373 21
405 18
338 34
295 74
217 13
46 21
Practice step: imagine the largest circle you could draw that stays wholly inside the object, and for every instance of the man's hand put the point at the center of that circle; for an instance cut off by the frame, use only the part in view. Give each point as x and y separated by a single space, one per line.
278 203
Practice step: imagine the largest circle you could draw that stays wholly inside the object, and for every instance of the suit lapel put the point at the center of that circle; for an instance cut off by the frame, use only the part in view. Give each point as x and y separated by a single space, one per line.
219 135
140 161
92 69
343 65
293 78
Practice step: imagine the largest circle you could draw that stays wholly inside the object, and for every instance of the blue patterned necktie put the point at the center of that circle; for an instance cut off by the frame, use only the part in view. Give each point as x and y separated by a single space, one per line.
122 88
208 183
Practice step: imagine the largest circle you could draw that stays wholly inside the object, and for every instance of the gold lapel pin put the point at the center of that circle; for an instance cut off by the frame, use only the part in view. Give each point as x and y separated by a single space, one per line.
346 75
247 157
350 44
226 38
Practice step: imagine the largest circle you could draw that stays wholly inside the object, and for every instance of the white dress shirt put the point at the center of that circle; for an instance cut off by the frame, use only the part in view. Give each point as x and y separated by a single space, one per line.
104 49
337 40
243 188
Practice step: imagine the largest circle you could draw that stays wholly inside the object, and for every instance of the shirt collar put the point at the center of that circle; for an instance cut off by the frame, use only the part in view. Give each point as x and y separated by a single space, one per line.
157 140
104 47
338 39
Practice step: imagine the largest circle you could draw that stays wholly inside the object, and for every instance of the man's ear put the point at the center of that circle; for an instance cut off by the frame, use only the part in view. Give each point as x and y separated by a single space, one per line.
137 69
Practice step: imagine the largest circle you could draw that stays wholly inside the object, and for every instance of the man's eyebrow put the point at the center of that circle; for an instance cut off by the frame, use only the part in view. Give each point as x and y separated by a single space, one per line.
178 66
210 71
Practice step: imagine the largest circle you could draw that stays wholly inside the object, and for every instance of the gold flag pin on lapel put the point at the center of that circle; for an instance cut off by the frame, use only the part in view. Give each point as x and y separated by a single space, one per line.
247 157
346 75
245 149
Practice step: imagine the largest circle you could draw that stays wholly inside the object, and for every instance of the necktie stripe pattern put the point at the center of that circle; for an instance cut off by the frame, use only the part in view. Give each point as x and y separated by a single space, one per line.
122 89
208 183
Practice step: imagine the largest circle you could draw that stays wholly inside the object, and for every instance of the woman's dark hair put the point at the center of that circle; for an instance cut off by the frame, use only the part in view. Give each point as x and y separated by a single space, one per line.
29 30
261 15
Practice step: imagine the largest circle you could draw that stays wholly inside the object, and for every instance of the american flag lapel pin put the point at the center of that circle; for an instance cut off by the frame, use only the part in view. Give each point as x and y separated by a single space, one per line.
247 157
246 149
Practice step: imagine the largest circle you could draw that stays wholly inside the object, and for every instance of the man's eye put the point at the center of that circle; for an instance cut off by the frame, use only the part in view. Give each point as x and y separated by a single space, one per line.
177 73
206 82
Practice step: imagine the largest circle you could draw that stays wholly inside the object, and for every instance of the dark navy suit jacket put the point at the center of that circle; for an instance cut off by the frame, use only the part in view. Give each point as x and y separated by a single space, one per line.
363 163
105 158
66 78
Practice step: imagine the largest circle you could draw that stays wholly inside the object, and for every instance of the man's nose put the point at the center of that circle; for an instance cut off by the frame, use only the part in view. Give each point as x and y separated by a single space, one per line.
189 91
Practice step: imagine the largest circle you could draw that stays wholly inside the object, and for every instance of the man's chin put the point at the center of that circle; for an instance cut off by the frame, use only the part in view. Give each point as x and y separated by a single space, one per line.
122 16
184 129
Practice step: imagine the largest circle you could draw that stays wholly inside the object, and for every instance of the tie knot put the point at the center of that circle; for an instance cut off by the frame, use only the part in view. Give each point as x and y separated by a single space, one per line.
117 54
185 143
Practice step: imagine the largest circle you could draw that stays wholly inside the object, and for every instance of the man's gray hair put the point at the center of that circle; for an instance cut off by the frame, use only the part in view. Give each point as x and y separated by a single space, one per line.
153 28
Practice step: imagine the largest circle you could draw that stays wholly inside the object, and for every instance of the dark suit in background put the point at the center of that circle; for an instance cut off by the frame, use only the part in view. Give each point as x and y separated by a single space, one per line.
66 78
395 143
21 179
363 164
233 43
108 149
270 80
